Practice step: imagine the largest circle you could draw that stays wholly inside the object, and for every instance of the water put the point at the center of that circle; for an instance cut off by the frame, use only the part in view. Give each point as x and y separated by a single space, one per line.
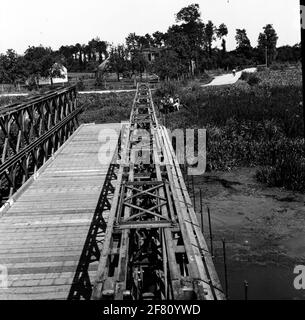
269 282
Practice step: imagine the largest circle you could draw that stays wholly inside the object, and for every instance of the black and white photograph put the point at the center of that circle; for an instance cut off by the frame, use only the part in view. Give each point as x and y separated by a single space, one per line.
152 152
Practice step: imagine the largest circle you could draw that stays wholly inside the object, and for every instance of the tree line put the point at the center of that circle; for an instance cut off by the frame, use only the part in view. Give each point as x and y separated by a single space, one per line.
42 61
185 50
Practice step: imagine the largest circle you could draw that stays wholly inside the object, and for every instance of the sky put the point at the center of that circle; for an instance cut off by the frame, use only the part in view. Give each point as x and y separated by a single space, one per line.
54 23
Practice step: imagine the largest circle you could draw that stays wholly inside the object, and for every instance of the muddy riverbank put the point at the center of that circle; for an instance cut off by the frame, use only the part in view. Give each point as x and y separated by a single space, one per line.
264 229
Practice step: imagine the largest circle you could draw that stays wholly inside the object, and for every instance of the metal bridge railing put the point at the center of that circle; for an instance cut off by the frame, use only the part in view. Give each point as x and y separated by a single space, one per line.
31 132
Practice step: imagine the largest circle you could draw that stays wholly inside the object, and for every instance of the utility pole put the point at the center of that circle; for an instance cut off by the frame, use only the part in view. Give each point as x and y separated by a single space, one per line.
266 51
302 11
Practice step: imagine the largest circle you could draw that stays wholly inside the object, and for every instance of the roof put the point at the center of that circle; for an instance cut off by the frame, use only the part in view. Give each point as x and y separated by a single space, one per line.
104 64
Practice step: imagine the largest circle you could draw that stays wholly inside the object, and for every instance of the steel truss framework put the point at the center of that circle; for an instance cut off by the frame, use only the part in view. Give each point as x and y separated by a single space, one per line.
82 283
31 132
153 246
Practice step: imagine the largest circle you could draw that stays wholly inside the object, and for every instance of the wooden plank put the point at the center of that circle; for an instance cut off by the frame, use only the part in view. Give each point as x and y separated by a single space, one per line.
192 223
195 265
44 227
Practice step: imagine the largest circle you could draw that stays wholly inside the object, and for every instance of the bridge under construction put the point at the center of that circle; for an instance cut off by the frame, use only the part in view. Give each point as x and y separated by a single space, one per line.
97 211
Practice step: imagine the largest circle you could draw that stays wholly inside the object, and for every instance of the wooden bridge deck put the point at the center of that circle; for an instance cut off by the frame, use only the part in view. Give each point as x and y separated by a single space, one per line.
43 231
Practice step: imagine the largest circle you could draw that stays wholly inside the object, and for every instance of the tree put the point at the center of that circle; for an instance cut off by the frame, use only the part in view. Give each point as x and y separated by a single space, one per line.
243 43
187 38
67 52
132 42
267 40
169 65
42 62
118 60
149 40
12 68
177 41
189 14
84 57
158 38
242 39
288 53
138 62
79 49
210 35
222 32
101 48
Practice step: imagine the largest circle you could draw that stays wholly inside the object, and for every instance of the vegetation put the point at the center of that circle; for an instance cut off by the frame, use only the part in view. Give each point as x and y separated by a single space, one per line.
5 101
257 125
186 50
256 122
106 108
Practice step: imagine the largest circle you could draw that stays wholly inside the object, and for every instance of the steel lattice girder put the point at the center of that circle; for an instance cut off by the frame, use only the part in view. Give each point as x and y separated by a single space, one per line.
153 246
31 132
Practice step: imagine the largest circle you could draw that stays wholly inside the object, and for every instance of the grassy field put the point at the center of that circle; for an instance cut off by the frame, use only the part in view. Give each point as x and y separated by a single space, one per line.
254 123
106 108
5 101
258 125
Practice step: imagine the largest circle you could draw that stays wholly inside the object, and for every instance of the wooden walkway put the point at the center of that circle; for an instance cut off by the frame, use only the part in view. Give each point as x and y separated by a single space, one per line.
43 231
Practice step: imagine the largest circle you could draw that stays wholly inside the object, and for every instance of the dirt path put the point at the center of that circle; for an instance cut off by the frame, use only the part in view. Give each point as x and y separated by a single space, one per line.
226 79
106 91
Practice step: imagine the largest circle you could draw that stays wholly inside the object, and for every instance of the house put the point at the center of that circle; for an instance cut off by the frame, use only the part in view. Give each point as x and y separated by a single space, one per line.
150 54
58 80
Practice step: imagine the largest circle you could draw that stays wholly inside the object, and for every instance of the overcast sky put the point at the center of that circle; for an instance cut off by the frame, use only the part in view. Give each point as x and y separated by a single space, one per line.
54 23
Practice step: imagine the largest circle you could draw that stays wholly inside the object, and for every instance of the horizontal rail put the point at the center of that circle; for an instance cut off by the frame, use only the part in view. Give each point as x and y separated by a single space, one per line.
32 131
34 144
34 100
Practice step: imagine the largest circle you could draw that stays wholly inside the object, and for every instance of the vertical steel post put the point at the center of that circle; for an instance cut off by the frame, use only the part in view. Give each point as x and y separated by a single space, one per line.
225 267
246 285
193 188
201 211
193 191
210 229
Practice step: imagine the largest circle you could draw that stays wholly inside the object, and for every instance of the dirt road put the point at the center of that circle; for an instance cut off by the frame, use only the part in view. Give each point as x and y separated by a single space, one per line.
228 78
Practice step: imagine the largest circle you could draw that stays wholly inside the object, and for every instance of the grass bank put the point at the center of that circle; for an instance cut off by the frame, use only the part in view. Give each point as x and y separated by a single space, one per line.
106 108
257 124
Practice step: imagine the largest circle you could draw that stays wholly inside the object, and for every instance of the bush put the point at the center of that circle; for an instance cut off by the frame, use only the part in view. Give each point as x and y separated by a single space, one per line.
259 125
205 78
253 80
168 87
279 66
245 76
288 169
80 85
103 108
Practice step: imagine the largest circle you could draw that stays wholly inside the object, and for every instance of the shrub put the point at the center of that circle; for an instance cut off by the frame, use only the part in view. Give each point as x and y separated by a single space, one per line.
205 78
168 87
253 80
258 125
103 108
245 76
80 85
288 169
